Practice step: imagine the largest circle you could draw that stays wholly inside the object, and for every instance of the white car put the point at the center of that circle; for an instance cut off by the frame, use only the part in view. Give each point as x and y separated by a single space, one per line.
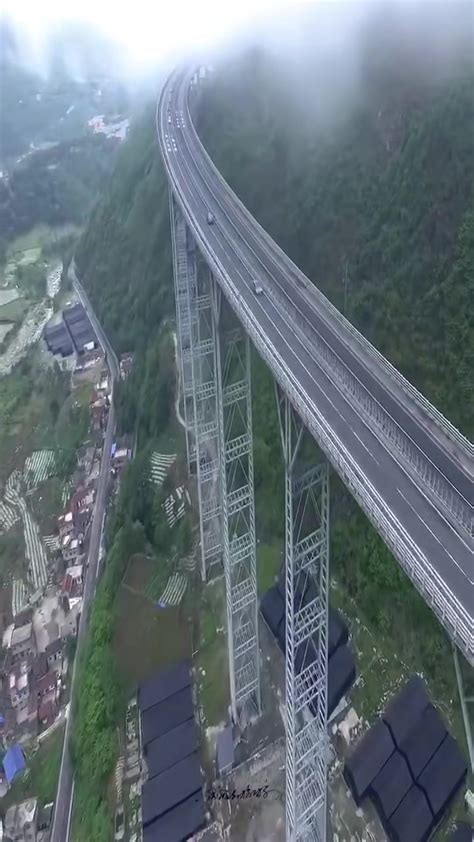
210 218
257 287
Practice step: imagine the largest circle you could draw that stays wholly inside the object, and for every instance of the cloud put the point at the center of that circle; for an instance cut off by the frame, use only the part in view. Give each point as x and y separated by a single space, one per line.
145 33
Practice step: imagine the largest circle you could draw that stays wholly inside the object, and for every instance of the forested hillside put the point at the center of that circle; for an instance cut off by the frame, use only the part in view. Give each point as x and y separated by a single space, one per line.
124 261
124 257
377 193
384 193
56 186
372 196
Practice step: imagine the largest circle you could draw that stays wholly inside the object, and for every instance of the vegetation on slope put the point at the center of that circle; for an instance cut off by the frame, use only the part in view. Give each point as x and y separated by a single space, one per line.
55 186
124 257
327 195
123 260
383 193
386 192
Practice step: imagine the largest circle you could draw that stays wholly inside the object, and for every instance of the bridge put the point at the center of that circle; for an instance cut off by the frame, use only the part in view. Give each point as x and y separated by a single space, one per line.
409 469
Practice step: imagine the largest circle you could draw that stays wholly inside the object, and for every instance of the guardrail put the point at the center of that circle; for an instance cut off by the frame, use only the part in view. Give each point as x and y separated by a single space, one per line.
377 417
449 429
423 575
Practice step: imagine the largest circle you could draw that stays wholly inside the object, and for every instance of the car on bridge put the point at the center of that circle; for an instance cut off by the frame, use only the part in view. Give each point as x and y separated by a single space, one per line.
257 287
210 218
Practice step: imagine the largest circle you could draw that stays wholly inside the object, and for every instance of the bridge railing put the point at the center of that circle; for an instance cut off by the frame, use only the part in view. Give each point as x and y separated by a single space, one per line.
445 605
456 506
382 363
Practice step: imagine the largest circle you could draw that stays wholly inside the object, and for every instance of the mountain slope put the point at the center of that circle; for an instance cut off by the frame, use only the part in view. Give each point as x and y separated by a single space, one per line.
384 188
124 257
384 193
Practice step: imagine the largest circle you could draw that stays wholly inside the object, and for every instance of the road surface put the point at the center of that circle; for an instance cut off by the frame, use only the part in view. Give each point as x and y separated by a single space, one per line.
65 792
286 323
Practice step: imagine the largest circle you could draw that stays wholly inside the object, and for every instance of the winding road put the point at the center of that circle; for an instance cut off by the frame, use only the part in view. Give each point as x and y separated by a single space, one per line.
410 470
65 791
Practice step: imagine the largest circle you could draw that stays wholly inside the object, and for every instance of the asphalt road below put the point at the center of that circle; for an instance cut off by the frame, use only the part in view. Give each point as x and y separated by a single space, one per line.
65 792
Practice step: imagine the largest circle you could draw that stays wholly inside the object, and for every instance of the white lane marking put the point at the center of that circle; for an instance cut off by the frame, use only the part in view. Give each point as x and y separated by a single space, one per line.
238 296
191 178
273 260
434 535
366 448
381 441
71 802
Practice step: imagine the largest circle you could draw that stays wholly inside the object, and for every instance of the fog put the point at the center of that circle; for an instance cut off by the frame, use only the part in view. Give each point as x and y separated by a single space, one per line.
140 35
323 41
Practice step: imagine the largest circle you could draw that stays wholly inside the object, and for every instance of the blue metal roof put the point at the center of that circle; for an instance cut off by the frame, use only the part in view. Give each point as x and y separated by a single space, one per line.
14 762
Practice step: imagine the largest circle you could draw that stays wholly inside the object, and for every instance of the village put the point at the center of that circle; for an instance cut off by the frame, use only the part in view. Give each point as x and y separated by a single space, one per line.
39 641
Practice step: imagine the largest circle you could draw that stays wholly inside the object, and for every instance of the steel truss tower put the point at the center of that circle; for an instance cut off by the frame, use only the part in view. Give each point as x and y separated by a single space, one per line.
197 359
306 589
214 359
238 510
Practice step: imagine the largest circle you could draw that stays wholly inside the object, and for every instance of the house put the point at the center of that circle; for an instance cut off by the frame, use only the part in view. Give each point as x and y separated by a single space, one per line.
45 687
47 713
86 458
54 653
121 452
99 416
81 522
24 616
94 473
21 822
126 365
19 686
45 816
88 359
73 581
71 548
65 524
39 666
99 405
14 763
119 458
81 499
97 123
23 642
102 387
70 624
27 717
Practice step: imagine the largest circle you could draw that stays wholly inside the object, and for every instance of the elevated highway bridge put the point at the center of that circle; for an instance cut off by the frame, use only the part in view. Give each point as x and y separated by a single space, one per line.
409 469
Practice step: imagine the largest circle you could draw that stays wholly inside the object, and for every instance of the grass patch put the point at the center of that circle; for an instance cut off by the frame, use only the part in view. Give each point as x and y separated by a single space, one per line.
269 561
46 503
40 779
31 255
158 580
82 393
12 553
145 637
14 310
22 416
211 659
146 577
39 237
171 440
